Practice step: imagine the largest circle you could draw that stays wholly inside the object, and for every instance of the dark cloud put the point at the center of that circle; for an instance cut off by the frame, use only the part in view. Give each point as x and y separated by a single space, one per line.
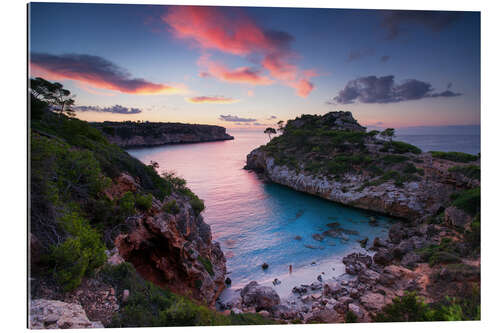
385 58
395 21
236 119
358 54
373 89
112 109
95 71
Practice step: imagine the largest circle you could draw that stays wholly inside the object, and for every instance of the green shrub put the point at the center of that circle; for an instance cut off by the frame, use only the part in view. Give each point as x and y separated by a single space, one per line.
350 317
197 204
469 201
471 171
410 307
171 207
400 147
127 203
144 202
207 264
394 159
152 306
409 168
445 252
79 254
454 156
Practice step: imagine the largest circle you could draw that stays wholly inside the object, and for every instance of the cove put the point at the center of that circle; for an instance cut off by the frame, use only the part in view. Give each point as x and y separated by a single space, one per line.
257 222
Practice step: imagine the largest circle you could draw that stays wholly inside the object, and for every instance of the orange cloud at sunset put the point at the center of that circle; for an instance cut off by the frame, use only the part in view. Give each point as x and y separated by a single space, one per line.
239 75
96 72
232 31
212 99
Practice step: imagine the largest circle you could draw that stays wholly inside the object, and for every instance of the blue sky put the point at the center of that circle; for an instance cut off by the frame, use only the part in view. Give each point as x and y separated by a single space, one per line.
321 55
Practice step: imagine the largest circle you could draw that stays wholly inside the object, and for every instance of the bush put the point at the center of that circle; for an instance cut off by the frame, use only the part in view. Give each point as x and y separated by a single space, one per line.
127 203
144 202
469 201
150 305
171 207
394 159
409 168
445 252
207 264
350 317
197 204
410 307
400 147
454 156
471 171
79 254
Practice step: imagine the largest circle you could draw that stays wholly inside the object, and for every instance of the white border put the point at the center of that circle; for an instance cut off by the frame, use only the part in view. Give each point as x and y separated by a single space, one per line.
13 165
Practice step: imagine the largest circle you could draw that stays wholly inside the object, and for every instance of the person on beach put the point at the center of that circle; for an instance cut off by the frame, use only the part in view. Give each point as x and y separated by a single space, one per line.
290 269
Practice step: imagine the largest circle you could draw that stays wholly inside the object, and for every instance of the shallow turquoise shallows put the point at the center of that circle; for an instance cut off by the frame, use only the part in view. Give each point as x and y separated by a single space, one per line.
256 222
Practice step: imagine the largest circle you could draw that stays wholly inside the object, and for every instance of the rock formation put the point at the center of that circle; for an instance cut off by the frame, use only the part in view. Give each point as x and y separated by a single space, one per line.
56 314
414 185
175 250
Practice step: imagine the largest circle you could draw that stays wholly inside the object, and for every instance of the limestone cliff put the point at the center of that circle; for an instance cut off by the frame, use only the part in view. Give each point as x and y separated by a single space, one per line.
130 134
333 157
173 249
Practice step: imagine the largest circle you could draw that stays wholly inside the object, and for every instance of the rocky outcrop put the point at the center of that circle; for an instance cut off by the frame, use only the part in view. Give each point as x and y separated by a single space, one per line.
259 297
56 314
175 250
130 134
416 198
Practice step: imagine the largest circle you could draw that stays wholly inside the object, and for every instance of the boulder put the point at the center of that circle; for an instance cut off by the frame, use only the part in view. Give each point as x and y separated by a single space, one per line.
356 310
410 260
456 217
383 257
301 290
369 277
396 233
402 248
373 301
56 314
332 288
260 297
356 262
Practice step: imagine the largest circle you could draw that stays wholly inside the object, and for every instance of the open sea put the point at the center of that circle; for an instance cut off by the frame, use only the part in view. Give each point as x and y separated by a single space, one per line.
256 222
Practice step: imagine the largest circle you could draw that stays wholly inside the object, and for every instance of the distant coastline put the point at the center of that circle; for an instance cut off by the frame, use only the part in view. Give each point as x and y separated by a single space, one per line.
130 134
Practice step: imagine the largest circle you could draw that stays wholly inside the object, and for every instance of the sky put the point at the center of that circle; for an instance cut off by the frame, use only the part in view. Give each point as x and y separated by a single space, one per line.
249 67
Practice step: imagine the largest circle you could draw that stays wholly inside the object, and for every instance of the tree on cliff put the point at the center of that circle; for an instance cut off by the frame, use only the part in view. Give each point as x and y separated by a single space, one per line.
281 126
388 133
53 94
270 131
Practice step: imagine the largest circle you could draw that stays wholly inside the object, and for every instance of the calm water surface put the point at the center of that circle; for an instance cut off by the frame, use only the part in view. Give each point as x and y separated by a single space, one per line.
257 222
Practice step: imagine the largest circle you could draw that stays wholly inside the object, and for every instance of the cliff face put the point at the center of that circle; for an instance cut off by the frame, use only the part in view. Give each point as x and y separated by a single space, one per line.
334 158
129 134
89 196
173 250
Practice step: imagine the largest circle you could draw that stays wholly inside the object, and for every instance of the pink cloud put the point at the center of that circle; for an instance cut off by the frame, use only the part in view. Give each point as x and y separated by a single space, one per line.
232 31
212 99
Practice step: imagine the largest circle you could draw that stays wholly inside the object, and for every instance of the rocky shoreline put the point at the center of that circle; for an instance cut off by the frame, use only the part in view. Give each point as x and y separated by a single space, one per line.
149 134
370 282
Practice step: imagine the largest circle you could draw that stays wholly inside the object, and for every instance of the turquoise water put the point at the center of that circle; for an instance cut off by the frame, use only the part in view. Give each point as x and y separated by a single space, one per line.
257 222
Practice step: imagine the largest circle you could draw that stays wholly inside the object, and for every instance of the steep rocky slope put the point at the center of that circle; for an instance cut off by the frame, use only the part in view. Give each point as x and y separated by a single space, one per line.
333 157
93 205
131 134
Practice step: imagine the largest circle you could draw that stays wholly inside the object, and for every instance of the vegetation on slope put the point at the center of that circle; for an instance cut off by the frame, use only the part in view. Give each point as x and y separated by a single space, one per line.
72 164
